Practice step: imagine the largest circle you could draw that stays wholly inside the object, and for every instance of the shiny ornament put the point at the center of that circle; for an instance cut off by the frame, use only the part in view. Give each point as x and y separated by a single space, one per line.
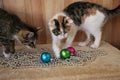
72 50
45 57
65 54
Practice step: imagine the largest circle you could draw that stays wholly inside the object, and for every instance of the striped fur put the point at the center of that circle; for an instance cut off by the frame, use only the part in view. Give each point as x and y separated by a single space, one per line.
11 29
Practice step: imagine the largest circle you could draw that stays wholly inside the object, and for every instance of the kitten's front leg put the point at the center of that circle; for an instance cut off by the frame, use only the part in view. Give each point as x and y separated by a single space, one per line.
56 47
6 55
71 36
97 36
6 51
8 48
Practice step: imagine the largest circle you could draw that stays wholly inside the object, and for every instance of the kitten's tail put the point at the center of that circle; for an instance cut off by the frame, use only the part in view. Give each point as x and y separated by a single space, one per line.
114 12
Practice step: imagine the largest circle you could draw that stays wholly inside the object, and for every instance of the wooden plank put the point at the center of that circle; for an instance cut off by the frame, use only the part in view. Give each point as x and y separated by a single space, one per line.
107 28
1 3
16 7
115 39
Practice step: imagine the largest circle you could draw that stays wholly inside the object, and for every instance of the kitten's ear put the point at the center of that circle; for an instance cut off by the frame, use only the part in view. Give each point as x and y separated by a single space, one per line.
51 22
30 34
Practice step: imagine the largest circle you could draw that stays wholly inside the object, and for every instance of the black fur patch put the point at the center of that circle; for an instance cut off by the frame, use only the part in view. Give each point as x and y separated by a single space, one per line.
76 10
57 23
57 29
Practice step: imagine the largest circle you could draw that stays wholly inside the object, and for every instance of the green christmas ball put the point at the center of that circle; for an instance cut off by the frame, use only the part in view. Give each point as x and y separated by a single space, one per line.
65 54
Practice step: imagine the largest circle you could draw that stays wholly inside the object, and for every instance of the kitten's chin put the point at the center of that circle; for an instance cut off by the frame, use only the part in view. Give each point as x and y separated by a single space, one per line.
62 37
59 37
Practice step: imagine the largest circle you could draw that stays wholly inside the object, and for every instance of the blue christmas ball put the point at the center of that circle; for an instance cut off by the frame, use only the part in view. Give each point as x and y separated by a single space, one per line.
45 57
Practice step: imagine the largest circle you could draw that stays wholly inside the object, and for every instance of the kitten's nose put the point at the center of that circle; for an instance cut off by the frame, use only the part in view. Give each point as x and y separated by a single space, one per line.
32 45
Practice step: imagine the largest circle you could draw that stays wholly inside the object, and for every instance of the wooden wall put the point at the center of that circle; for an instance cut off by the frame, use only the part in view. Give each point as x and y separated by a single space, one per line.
115 33
38 12
1 4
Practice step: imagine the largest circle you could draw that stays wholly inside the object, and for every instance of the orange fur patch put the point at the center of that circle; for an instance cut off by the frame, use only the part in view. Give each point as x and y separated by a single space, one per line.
22 33
91 11
60 19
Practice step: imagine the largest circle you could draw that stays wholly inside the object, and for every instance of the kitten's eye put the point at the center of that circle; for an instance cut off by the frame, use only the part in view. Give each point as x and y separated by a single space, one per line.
56 32
66 21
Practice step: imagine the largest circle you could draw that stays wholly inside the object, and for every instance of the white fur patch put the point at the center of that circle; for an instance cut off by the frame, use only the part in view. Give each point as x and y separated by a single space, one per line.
93 25
93 22
6 55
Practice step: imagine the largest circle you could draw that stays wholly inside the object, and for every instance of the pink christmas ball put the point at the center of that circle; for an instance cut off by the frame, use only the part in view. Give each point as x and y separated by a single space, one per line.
72 50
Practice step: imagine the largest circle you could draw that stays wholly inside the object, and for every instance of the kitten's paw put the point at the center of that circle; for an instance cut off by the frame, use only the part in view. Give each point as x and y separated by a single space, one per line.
82 44
7 55
94 46
57 55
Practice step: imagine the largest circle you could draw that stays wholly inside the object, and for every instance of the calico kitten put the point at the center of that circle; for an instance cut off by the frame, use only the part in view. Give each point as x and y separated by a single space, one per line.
85 16
11 29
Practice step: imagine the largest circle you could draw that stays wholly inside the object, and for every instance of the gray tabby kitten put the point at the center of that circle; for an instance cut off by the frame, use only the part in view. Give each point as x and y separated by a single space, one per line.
11 29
